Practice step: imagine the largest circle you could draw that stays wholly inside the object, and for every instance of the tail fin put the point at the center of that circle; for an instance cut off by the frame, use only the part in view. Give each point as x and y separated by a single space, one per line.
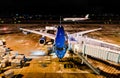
87 16
60 21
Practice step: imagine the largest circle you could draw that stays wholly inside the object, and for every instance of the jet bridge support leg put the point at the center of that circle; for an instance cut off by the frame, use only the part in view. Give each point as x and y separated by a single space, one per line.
88 64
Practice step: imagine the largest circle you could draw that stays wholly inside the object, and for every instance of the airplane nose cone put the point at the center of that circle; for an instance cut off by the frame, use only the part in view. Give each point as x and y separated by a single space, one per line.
60 54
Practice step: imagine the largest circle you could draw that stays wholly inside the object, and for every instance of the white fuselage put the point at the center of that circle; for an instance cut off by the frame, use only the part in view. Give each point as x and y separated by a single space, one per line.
74 19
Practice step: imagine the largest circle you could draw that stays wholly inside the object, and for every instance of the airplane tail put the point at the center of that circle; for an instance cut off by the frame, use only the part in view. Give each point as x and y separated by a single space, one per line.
87 16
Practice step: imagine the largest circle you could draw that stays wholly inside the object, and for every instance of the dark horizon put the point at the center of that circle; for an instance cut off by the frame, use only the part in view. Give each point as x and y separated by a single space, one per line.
8 7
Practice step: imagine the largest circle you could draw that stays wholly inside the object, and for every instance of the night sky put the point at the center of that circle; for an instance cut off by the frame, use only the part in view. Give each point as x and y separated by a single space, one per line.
59 6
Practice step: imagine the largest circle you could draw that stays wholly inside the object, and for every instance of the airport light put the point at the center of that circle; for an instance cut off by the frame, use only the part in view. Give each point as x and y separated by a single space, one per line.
19 21
2 21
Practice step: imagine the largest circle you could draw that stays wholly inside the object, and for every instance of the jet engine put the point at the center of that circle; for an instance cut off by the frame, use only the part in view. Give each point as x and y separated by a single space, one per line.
42 40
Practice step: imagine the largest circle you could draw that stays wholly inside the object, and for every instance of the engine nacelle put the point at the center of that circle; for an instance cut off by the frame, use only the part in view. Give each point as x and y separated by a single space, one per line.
42 40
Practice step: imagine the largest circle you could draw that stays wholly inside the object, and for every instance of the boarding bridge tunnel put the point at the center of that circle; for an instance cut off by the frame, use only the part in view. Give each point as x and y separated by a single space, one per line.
97 49
93 48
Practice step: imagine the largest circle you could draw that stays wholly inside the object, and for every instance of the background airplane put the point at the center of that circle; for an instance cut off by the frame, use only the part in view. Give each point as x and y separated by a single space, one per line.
61 40
76 19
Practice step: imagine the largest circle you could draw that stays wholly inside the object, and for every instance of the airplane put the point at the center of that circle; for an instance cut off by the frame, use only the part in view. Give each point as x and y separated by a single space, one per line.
77 19
61 39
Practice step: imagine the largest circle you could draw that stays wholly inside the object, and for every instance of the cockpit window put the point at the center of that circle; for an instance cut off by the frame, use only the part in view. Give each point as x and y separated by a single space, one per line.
59 48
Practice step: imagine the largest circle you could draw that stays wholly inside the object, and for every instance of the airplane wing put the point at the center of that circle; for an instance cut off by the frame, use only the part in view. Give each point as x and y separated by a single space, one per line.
52 36
84 32
73 37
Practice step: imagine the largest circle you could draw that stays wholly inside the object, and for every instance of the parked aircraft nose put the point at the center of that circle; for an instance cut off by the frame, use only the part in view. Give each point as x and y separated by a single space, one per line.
60 53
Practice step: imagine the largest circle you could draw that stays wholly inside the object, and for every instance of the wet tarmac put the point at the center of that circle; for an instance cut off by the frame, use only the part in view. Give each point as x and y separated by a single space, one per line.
52 68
